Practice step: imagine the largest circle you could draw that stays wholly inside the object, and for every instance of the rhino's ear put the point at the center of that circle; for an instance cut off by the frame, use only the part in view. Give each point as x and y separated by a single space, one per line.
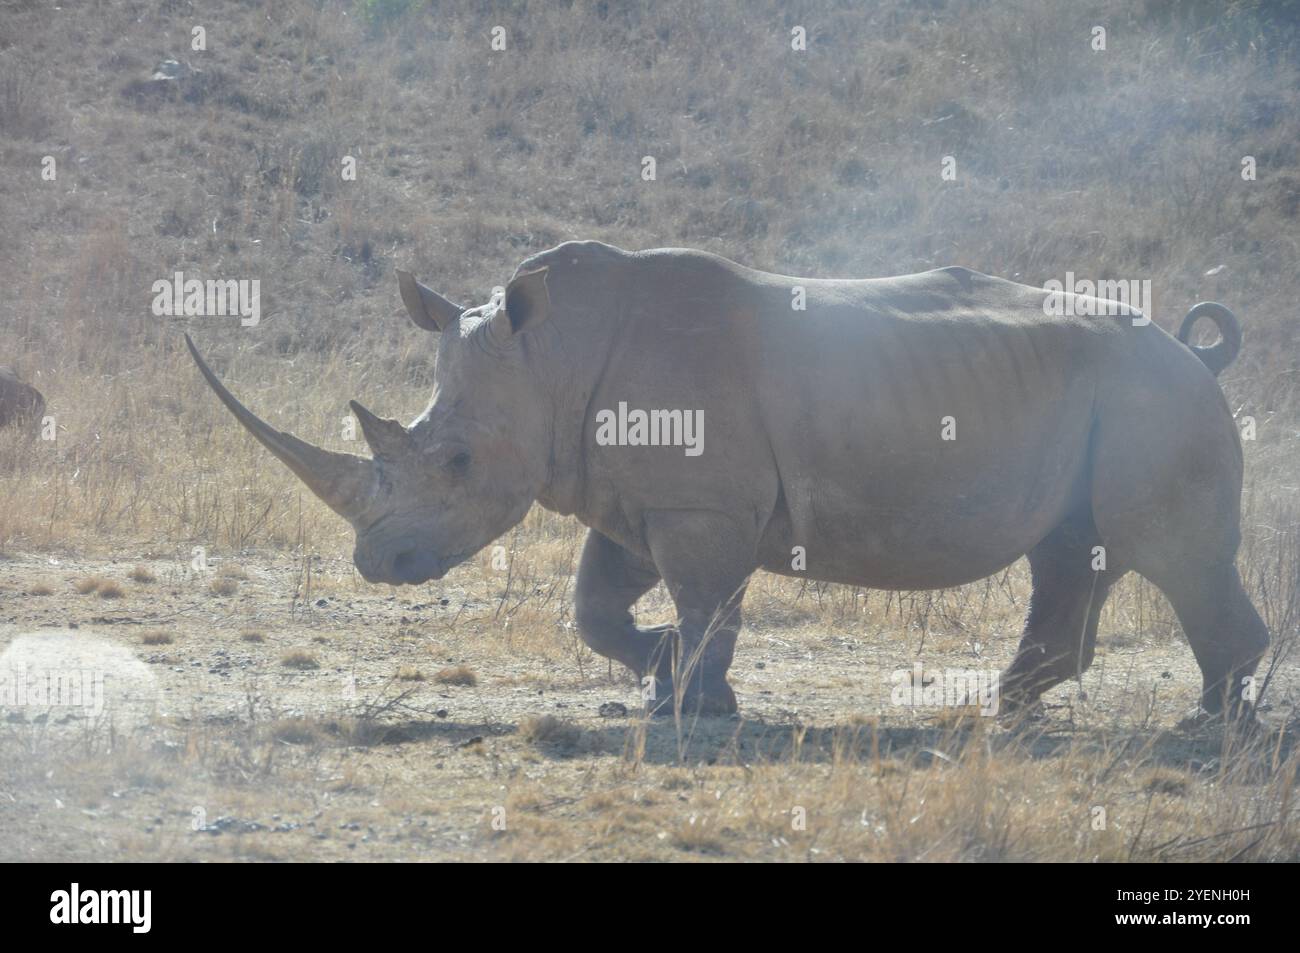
427 308
527 304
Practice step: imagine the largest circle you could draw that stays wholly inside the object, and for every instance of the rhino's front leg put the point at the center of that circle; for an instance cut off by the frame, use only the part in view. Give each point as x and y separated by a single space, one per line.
610 581
705 559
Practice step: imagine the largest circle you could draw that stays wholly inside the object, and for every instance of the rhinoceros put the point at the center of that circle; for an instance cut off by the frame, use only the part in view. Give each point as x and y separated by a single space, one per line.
904 433
21 404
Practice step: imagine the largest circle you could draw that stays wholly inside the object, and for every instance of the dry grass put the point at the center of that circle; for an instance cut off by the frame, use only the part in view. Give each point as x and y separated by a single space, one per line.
300 659
223 586
296 731
836 795
456 675
142 574
157 637
547 729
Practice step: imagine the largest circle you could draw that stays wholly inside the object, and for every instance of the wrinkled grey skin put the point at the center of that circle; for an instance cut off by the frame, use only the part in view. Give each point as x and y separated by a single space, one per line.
21 404
823 430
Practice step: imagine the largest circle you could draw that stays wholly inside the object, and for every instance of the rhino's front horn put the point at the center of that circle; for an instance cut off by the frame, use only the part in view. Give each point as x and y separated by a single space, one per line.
343 481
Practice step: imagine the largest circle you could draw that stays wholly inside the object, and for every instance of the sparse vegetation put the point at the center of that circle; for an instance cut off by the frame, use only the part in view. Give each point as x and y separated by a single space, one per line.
547 729
299 658
297 731
157 637
223 586
456 675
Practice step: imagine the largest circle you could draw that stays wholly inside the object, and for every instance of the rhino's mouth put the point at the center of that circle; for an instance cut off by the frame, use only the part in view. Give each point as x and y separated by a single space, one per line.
414 566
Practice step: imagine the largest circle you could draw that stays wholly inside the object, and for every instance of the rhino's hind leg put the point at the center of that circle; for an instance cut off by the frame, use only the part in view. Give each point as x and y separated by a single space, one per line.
1227 635
610 581
1169 497
1061 632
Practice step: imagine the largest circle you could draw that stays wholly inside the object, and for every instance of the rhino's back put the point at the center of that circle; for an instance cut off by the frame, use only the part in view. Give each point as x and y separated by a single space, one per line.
927 429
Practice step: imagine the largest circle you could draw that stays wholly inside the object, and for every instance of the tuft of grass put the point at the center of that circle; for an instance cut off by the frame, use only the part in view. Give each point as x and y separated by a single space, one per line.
90 584
40 589
299 658
696 836
456 675
547 729
297 731
223 586
141 574
409 673
252 635
1163 780
157 637
108 589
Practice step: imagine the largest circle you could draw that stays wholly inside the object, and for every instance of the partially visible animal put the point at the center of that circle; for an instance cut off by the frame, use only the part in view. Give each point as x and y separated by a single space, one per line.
21 404
903 433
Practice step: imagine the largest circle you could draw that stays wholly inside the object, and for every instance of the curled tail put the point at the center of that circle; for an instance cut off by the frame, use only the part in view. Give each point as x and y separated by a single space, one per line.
1222 353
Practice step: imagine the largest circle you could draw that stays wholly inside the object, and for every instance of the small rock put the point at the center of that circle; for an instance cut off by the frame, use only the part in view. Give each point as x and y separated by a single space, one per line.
171 69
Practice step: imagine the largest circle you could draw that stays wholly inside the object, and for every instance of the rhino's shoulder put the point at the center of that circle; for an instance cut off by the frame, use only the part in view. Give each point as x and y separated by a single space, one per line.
571 253
968 279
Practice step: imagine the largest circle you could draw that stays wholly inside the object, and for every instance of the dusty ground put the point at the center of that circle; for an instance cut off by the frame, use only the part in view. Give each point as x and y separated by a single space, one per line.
287 720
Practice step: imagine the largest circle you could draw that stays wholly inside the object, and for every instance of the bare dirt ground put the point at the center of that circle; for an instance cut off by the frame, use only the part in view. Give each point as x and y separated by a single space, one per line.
254 710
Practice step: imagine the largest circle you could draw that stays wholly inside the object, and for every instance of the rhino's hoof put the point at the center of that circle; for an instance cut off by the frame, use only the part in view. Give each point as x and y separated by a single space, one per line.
1021 713
1240 717
718 701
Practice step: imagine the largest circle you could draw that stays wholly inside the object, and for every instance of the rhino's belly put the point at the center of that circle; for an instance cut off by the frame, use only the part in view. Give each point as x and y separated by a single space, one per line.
928 541
909 568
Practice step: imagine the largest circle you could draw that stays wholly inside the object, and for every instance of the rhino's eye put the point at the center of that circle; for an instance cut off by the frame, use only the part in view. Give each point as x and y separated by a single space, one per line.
458 463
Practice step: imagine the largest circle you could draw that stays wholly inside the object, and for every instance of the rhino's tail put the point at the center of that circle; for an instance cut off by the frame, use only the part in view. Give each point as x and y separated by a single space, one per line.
1222 353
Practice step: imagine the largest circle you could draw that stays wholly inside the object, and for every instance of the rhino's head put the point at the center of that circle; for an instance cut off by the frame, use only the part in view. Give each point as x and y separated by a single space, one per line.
466 470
